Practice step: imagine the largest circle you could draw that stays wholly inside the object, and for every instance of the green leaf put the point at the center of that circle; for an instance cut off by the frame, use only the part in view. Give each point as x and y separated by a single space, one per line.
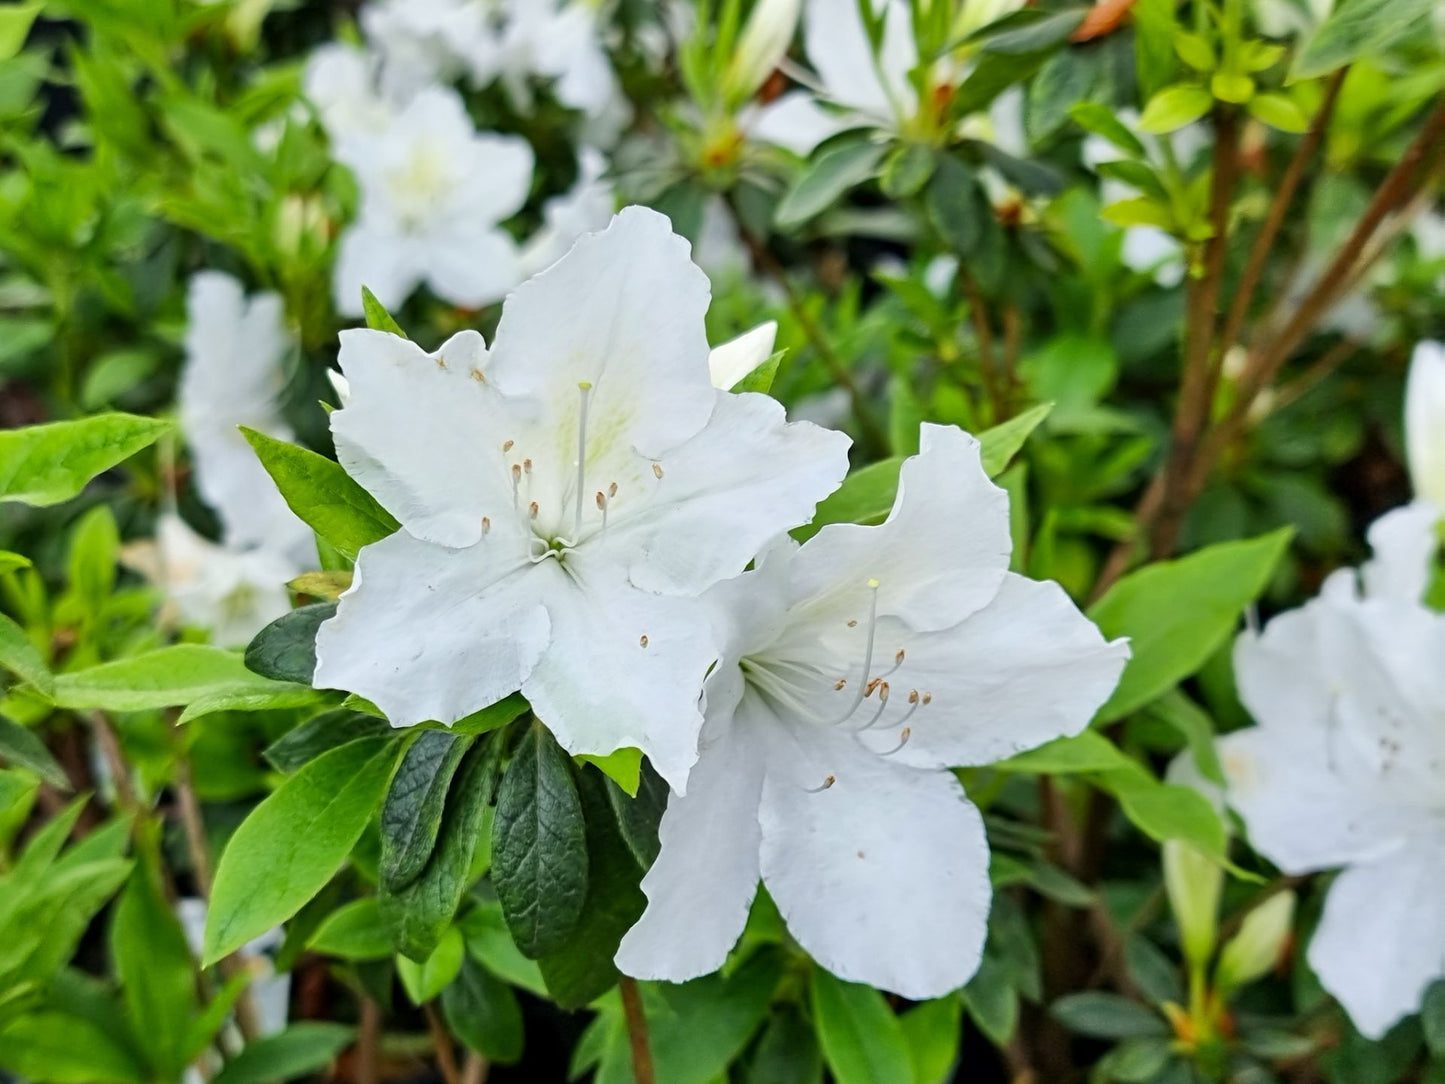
377 318
294 842
94 551
1001 443
787 1053
164 678
1232 87
323 495
539 846
582 969
19 655
908 170
1278 111
355 931
862 1040
300 1050
62 1049
1195 50
425 980
991 1001
1178 613
1165 811
483 1013
1036 34
1107 1016
827 177
1155 24
493 717
639 816
959 208
10 562
285 650
1174 107
1086 752
47 464
411 816
1359 28
761 379
1099 119
419 914
153 964
322 733
21 745
15 21
281 697
933 1030
623 767
1432 1017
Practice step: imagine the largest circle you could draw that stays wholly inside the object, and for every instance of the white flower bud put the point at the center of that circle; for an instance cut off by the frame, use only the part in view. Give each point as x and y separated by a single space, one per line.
1193 883
762 46
1255 949
1425 422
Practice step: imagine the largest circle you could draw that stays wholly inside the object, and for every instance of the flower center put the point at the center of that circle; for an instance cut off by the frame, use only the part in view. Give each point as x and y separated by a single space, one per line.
417 186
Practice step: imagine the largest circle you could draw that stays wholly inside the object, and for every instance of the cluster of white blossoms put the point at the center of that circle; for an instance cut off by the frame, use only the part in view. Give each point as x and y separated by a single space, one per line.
235 351
579 502
434 189
1346 767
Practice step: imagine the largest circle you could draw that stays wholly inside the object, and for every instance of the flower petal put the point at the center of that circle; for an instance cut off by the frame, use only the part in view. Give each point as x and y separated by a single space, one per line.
747 477
1027 668
837 46
794 121
941 554
624 668
422 432
622 311
1381 940
430 633
704 879
473 265
883 875
729 363
1425 422
379 258
1404 543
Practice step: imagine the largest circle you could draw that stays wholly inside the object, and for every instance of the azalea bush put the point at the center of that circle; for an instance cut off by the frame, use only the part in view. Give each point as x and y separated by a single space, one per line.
771 541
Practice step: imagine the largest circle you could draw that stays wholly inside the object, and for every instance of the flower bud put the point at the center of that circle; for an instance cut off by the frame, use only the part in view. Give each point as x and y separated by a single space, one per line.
1255 949
1193 883
764 43
1425 422
300 226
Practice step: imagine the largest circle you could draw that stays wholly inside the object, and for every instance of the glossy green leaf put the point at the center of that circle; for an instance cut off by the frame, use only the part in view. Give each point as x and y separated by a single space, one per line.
482 1011
47 464
426 979
1360 28
355 931
285 650
411 816
301 1050
863 1042
833 172
377 318
321 733
166 677
1174 107
22 746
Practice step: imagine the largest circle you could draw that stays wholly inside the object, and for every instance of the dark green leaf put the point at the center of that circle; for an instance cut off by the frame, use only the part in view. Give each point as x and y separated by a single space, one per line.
294 842
482 1012
47 464
1107 1016
153 964
322 733
1155 974
787 1053
1038 32
837 169
411 816
300 1050
1360 28
61 1049
285 650
323 495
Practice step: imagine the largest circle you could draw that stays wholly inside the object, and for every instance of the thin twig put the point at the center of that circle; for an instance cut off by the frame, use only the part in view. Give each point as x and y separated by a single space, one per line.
1279 208
476 1070
446 1053
368 1045
637 1031
105 737
983 332
1011 328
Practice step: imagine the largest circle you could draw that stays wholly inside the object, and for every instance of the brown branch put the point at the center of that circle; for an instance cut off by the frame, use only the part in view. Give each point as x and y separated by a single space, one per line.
368 1046
476 1070
1011 325
110 749
446 1053
1278 210
983 332
637 1031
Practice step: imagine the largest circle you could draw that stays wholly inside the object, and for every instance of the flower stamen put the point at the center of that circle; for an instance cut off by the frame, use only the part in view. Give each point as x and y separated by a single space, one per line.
824 785
903 740
584 389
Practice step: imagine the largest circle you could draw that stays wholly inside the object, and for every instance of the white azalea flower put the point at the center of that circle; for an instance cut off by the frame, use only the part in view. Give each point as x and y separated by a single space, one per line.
340 81
587 207
857 668
731 362
563 495
432 192
1425 422
426 42
1346 769
232 376
234 593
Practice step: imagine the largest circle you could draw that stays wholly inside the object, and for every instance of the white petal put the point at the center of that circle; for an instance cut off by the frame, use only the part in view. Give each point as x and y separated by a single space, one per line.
746 478
704 879
794 121
1404 543
1027 668
378 258
473 267
623 311
430 633
883 876
624 668
838 48
501 178
422 433
941 554
733 360
1425 422
1381 940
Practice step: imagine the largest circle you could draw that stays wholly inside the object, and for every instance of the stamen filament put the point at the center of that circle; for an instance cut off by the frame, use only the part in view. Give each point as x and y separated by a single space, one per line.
827 782
864 687
584 388
903 740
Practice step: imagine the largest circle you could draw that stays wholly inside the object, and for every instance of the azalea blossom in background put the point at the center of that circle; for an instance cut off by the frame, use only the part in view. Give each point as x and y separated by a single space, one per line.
340 81
586 207
433 190
564 496
1346 768
856 669
233 373
1425 423
423 43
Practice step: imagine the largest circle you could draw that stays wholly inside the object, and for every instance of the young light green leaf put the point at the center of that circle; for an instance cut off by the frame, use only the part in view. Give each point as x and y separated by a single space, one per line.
933 1030
294 842
1178 613
377 318
355 931
156 973
539 846
15 22
1100 119
19 655
323 495
22 746
166 677
1174 107
862 1040
1001 443
47 464
425 980
1278 111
